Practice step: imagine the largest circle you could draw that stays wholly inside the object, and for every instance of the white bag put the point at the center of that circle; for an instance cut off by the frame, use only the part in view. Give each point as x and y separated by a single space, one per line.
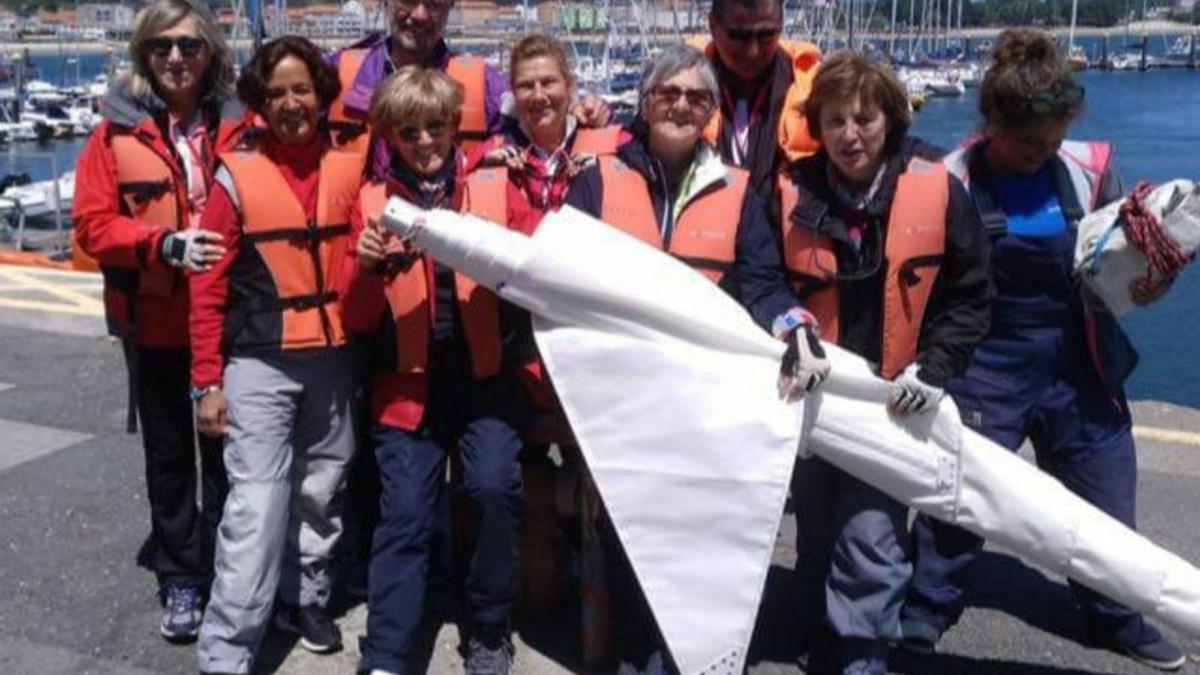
1105 260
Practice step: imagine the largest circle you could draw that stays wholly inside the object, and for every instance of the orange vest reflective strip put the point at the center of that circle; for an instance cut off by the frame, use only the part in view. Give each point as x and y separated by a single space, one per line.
704 235
913 251
471 73
303 257
352 129
602 141
412 313
146 188
794 140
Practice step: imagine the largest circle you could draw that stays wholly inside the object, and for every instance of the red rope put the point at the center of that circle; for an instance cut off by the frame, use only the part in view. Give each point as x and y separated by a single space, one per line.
1143 230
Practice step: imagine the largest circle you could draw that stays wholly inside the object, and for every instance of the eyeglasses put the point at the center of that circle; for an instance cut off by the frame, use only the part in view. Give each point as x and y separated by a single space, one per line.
752 35
436 7
699 100
188 46
412 134
1055 100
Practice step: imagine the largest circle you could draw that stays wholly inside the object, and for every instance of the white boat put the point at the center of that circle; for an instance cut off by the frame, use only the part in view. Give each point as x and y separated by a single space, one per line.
40 198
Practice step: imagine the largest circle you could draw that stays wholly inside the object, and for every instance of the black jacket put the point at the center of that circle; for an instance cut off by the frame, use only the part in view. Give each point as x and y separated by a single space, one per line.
757 279
763 155
958 315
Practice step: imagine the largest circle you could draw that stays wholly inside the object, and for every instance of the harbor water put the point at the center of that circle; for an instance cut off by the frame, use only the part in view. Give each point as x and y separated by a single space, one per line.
1149 116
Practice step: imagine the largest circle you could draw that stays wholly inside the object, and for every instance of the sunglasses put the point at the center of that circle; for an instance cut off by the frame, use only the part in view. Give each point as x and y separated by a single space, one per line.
699 100
188 46
412 134
752 35
1055 100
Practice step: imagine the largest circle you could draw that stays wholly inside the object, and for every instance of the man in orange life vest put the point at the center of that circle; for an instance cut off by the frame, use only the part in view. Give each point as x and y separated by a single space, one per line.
759 124
417 39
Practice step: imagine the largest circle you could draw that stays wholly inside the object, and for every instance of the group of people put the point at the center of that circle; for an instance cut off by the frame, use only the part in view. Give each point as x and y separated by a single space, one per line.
272 325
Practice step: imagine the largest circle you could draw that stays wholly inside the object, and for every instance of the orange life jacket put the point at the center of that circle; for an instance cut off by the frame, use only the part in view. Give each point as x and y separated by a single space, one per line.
794 140
302 256
469 71
602 141
913 251
146 185
409 292
704 234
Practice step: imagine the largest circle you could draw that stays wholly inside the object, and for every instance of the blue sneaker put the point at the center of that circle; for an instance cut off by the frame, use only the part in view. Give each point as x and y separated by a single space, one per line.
918 637
1161 654
181 613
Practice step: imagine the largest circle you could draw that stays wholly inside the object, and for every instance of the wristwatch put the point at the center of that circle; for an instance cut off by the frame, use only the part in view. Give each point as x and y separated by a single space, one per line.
200 392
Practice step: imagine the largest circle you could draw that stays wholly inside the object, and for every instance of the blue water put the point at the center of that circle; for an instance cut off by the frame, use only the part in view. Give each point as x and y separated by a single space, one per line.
1151 118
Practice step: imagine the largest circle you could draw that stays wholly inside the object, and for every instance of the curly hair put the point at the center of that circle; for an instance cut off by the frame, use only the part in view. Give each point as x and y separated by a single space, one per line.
1026 81
252 85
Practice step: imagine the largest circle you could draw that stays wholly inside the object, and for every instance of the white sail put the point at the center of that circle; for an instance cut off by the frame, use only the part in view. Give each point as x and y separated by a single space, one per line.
669 387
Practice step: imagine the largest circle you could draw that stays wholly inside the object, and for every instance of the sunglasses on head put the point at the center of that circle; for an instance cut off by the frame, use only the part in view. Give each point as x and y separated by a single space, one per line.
1055 100
188 46
752 34
412 134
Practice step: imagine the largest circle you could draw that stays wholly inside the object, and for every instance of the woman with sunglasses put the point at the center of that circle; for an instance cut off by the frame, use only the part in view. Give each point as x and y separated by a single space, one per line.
669 188
143 179
1052 368
888 252
270 363
441 382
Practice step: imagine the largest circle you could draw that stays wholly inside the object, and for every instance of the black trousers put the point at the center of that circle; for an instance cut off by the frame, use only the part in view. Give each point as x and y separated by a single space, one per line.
180 547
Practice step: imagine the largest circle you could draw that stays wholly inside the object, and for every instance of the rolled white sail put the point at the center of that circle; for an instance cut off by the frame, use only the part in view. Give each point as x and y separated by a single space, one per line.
669 387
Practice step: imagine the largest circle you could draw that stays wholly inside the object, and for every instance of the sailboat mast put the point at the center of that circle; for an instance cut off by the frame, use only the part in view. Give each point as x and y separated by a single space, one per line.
1071 33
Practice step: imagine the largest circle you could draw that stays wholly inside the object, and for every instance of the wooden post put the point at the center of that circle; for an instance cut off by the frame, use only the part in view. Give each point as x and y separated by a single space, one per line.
1104 64
1192 51
1144 46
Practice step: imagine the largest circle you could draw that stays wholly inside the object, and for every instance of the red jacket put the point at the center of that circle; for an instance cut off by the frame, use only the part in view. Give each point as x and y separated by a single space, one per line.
104 226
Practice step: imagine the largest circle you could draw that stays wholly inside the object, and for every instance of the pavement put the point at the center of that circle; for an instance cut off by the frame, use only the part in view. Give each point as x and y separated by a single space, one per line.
73 514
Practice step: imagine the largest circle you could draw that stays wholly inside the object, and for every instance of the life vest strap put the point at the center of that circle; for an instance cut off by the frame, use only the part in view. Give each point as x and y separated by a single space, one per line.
295 302
907 273
143 191
297 235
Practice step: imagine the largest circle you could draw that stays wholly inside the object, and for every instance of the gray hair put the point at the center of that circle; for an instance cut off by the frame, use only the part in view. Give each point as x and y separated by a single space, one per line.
672 61
161 16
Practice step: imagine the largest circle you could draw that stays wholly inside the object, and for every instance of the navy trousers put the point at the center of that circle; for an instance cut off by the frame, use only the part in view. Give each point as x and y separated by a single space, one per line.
1035 381
482 419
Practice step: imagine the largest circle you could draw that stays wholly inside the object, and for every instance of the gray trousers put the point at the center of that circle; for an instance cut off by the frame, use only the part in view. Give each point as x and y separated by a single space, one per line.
853 567
289 441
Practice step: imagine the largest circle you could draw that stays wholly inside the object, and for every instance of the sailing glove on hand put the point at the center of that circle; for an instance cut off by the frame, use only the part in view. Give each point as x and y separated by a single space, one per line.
908 394
804 365
194 249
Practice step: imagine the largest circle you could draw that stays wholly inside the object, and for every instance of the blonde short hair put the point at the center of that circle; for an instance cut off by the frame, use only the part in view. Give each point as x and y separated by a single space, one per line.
162 15
412 96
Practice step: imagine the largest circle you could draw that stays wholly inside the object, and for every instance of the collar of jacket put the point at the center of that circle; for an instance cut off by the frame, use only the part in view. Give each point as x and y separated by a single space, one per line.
709 169
764 134
402 181
995 220
818 206
122 108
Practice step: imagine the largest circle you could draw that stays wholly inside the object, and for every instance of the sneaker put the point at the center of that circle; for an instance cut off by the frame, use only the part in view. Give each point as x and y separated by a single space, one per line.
918 637
318 633
489 651
181 613
1161 654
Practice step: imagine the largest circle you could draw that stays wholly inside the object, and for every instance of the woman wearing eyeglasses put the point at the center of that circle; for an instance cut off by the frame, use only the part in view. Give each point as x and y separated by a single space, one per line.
143 178
1052 368
271 368
888 252
441 382
669 188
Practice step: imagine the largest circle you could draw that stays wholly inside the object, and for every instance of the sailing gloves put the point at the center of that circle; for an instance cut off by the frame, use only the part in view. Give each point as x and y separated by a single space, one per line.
909 395
194 249
804 366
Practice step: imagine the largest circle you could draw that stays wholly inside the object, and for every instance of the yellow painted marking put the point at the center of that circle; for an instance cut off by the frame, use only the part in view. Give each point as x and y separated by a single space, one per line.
1167 435
85 303
13 303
